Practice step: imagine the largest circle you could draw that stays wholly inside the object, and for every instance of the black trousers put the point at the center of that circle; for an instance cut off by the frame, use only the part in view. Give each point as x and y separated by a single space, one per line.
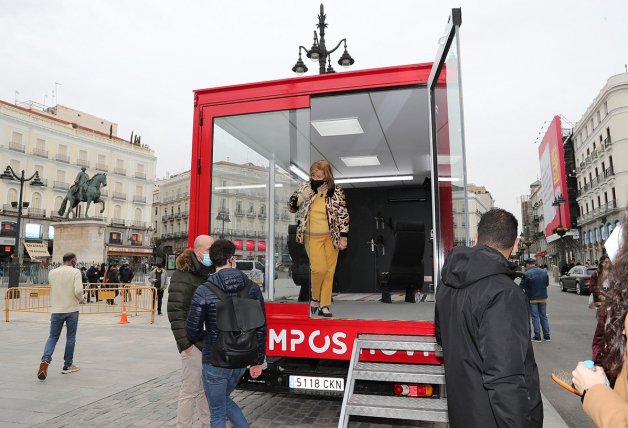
160 298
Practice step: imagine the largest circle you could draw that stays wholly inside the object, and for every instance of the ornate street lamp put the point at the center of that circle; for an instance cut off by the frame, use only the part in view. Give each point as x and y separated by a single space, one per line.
560 230
14 266
223 215
318 51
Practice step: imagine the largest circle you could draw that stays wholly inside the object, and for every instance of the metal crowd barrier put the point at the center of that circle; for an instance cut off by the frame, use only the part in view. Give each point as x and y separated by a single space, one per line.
108 299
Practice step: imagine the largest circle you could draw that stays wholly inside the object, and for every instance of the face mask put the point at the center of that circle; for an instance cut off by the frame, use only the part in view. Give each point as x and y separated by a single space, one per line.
614 243
206 260
315 184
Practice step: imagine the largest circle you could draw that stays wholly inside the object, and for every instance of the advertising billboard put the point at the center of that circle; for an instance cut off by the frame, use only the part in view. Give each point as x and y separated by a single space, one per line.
554 179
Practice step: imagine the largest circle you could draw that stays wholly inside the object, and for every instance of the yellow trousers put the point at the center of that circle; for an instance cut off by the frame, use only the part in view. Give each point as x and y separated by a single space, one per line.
323 258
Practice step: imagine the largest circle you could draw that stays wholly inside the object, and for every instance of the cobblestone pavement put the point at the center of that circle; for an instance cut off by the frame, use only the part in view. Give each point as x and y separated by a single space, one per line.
154 404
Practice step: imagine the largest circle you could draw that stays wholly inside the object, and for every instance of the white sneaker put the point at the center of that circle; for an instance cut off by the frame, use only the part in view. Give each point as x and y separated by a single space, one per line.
70 369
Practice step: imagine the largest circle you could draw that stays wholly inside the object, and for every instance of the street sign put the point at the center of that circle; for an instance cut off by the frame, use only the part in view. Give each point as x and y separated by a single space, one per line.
6 240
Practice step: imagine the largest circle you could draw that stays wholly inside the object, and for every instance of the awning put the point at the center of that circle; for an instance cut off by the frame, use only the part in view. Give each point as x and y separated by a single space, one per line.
541 254
37 250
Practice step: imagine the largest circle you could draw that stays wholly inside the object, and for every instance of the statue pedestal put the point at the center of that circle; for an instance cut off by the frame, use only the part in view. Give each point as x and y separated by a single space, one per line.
85 238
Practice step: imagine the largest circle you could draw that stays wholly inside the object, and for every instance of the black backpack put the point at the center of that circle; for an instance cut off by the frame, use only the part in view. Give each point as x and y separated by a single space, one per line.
237 319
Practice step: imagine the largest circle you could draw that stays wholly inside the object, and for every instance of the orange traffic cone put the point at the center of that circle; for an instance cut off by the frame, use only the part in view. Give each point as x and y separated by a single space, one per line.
123 318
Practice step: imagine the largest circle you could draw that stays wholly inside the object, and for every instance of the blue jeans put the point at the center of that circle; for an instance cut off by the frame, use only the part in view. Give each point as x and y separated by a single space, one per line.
56 324
219 383
538 310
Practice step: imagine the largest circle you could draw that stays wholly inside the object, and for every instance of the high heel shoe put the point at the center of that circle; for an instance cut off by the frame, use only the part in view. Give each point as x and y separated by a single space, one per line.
313 308
327 314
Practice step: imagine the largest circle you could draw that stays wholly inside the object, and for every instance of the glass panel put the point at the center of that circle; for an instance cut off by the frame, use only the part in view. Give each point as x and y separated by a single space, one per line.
247 148
450 154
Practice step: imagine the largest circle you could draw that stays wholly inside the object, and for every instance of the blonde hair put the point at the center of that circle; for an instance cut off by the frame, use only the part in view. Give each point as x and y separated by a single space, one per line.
323 165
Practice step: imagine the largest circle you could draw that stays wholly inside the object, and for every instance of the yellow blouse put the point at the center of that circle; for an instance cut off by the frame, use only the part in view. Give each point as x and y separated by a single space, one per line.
318 216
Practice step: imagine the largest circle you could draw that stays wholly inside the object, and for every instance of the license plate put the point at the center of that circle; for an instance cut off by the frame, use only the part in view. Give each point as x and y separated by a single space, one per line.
317 383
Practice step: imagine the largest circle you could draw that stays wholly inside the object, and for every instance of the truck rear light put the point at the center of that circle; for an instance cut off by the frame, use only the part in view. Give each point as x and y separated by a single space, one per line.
408 390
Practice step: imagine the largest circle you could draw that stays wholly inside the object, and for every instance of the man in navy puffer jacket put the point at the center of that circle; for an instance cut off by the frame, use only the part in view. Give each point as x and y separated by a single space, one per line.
219 382
534 283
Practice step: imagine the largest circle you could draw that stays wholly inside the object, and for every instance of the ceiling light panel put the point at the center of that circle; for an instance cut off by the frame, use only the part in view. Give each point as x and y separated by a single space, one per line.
334 127
352 161
374 179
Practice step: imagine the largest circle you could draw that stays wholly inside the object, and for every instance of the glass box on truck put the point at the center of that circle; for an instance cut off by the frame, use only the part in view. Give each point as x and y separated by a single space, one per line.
394 138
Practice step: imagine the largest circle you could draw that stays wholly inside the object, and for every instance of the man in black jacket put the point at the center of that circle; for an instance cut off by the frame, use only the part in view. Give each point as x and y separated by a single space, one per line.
193 268
482 323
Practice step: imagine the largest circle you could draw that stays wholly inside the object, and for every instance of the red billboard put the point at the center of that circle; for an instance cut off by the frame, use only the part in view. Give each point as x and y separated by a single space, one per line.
554 179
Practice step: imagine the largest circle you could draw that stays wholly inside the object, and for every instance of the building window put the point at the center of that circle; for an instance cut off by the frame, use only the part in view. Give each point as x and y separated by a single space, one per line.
136 239
115 238
605 108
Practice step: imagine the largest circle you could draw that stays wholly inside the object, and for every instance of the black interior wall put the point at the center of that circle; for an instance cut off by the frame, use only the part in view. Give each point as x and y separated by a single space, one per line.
358 265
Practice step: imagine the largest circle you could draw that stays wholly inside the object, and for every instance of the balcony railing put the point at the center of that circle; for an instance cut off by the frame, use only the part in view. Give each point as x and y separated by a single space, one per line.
117 222
119 171
164 217
607 142
588 160
239 213
42 153
119 195
36 212
139 224
594 154
177 215
61 185
16 146
261 216
62 158
9 208
609 172
82 162
102 167
582 165
251 214
139 199
184 214
140 175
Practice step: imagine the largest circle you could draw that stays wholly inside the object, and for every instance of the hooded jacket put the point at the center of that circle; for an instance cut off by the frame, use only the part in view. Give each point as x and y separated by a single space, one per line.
189 275
482 323
203 310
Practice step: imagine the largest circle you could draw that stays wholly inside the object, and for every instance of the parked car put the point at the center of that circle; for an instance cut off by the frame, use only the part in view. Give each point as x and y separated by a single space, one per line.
255 270
578 278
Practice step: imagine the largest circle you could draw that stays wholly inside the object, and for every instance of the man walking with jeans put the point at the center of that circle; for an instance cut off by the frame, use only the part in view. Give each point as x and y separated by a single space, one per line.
534 283
66 292
202 322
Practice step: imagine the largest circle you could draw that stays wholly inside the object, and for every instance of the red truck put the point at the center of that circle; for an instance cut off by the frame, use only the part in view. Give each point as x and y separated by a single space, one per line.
394 137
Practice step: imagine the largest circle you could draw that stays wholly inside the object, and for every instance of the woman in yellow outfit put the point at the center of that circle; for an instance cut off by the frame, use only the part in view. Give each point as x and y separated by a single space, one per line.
323 227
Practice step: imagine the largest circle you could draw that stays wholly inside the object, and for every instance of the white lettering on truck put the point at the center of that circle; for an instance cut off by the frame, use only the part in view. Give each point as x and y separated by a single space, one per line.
284 340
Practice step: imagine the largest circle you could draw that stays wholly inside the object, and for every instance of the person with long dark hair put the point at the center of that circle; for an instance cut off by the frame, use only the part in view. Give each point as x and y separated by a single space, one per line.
599 285
605 406
323 228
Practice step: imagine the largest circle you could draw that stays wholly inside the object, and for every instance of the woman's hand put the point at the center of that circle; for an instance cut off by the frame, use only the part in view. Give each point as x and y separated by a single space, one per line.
255 371
343 243
307 192
584 378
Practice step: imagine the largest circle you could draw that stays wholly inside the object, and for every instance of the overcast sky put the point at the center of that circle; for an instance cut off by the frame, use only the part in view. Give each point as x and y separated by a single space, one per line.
137 62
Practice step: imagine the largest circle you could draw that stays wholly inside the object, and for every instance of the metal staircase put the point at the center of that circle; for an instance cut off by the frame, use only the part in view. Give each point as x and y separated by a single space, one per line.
418 409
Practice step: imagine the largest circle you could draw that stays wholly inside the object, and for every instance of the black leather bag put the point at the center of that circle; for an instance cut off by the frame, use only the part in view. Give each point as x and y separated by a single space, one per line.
237 319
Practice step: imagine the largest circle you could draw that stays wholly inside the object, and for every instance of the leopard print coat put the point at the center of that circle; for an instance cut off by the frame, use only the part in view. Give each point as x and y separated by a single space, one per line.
337 214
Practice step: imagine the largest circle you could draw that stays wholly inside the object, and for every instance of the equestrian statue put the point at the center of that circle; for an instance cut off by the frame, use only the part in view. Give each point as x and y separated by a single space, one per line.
84 189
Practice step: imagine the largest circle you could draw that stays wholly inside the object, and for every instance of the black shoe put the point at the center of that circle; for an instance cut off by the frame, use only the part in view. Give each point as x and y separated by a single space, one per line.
327 314
536 339
313 308
547 339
